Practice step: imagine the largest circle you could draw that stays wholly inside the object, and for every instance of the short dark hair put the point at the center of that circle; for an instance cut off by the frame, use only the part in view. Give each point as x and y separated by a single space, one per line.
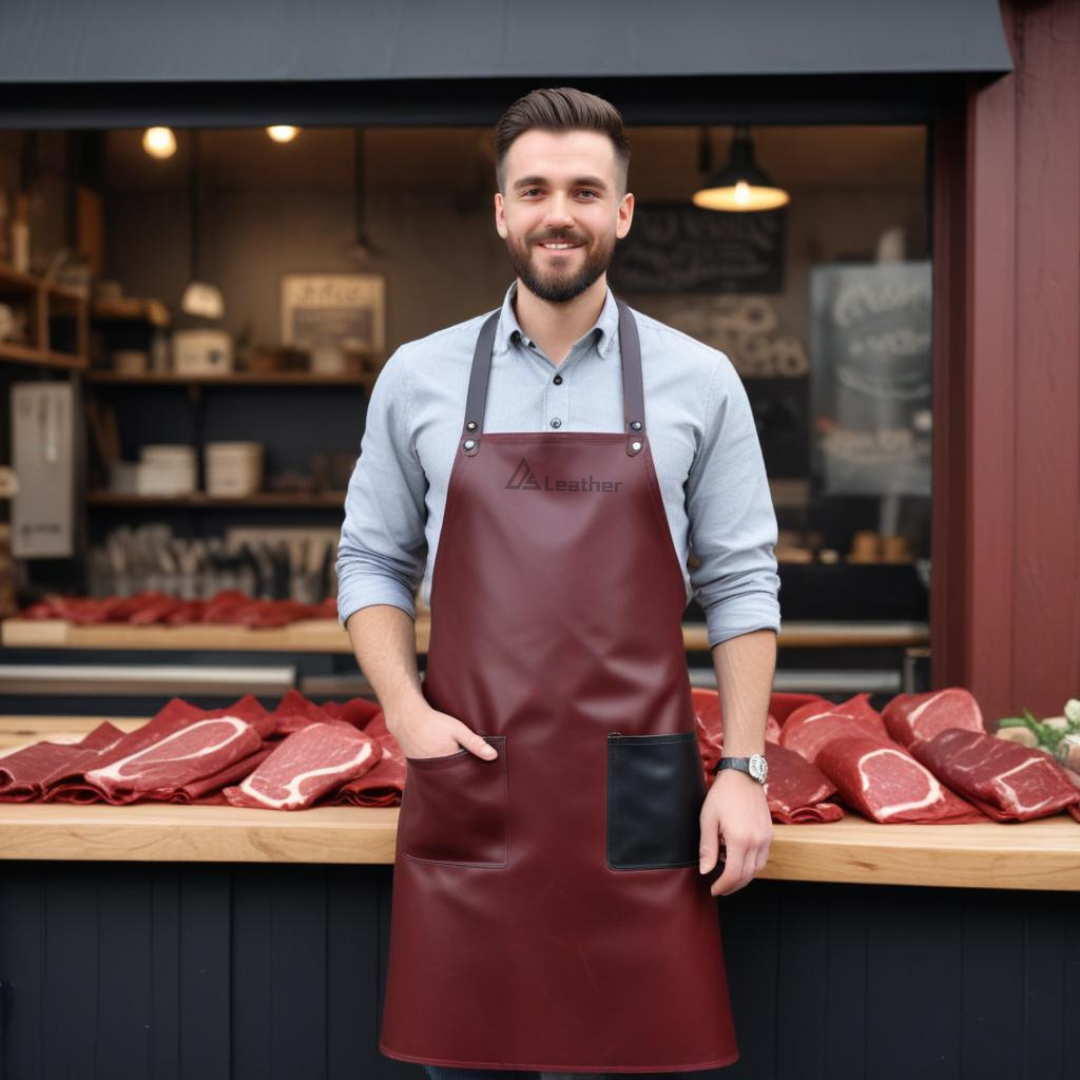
561 108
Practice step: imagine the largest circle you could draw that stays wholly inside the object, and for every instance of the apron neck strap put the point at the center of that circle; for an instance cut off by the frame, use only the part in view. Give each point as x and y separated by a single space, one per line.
633 388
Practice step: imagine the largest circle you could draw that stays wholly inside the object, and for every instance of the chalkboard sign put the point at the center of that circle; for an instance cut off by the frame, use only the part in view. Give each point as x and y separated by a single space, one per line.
680 248
872 377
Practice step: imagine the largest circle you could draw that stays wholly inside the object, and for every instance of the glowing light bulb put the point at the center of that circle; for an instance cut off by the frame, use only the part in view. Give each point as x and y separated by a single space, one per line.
159 142
742 193
282 133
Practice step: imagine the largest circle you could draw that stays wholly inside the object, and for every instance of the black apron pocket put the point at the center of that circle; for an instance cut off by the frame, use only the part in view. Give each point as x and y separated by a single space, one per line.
454 808
655 789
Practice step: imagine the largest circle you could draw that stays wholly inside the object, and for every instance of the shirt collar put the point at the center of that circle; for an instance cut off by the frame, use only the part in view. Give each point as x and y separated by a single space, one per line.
603 333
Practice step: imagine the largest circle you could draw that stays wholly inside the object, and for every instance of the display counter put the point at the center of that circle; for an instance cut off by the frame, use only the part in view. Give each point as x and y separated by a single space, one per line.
1040 855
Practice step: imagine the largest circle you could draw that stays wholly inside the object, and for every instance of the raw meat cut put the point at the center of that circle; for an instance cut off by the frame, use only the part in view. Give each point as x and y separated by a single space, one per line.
797 790
383 785
911 717
810 728
25 773
208 789
1009 782
888 785
358 711
70 785
783 705
190 753
151 607
177 712
306 765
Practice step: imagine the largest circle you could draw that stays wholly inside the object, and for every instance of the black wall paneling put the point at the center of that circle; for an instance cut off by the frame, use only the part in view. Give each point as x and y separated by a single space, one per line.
216 972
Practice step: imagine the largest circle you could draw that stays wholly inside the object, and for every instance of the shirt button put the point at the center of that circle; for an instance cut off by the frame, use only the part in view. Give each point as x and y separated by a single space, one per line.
558 380
556 422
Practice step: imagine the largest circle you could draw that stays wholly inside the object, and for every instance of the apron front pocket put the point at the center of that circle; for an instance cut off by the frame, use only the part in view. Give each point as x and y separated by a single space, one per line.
454 808
655 789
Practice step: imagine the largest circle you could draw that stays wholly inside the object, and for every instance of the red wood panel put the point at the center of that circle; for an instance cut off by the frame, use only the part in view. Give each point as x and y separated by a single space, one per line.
1006 621
1045 640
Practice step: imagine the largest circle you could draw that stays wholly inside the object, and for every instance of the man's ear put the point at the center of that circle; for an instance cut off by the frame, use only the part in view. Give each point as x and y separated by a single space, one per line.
626 215
500 219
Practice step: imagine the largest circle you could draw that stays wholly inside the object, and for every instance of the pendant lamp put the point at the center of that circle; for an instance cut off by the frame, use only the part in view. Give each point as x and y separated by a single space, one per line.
740 186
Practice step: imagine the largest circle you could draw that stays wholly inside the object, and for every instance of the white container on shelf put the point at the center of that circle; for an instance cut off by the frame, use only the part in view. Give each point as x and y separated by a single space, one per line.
233 468
167 469
202 352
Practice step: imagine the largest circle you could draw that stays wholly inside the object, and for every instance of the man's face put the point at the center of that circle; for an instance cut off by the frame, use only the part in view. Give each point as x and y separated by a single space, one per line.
561 189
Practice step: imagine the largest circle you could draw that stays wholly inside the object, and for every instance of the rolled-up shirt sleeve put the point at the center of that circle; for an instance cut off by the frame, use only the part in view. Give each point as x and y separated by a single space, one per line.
733 528
382 550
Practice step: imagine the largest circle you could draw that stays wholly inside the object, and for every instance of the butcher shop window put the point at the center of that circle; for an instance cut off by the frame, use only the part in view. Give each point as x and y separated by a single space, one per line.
823 306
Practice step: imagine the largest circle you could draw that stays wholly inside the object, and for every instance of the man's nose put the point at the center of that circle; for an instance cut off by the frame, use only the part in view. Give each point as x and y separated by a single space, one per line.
558 211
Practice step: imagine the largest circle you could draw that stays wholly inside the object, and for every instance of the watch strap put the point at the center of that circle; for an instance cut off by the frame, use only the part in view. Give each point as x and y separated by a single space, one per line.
740 763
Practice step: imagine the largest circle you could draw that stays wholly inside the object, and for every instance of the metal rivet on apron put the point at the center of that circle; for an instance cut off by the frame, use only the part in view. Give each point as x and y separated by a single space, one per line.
471 425
635 446
469 444
556 422
635 424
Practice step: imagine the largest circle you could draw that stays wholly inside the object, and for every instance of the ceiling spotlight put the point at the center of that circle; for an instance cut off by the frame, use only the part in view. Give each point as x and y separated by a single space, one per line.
159 142
282 133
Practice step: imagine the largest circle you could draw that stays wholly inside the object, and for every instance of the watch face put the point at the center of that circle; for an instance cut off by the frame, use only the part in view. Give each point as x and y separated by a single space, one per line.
759 767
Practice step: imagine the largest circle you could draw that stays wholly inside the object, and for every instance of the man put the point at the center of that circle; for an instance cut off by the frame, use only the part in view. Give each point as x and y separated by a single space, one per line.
545 469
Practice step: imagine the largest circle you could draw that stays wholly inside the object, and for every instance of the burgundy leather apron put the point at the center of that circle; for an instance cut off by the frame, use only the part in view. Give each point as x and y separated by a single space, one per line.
548 913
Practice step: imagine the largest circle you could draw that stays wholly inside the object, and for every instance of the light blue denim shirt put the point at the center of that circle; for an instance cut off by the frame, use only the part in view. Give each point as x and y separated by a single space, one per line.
700 427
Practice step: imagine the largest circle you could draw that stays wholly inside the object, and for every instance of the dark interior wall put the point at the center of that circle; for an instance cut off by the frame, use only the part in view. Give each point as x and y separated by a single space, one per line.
444 261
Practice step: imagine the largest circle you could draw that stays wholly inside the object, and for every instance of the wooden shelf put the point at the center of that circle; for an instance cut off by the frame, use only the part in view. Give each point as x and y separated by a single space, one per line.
294 379
25 354
131 309
12 280
330 500
45 300
327 636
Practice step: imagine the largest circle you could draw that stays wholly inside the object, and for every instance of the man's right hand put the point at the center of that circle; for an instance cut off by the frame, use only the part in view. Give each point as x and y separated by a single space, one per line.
423 732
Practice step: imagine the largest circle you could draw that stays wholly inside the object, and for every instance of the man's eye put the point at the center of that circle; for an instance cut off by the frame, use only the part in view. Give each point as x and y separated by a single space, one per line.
530 191
596 193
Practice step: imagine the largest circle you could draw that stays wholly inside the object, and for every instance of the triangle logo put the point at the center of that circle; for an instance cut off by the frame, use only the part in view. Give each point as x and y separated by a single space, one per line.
523 478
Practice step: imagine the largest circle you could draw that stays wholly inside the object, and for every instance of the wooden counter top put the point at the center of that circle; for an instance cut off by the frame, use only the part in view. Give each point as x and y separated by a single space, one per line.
1034 855
328 636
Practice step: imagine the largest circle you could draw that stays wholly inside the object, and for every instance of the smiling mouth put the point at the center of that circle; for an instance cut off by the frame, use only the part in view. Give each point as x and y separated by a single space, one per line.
559 246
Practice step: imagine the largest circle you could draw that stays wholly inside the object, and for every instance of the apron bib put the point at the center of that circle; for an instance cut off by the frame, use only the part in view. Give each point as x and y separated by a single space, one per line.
548 913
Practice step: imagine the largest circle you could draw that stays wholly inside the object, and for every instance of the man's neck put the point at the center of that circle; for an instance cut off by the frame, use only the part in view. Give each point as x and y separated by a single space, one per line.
555 327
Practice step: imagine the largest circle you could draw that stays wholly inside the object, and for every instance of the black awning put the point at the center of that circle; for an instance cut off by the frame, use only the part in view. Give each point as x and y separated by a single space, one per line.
262 41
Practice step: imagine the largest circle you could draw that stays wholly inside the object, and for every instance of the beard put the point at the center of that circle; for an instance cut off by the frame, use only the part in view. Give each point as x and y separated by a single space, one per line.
557 283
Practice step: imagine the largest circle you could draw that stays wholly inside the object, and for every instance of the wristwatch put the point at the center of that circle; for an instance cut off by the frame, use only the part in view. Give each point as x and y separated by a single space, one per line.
755 765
